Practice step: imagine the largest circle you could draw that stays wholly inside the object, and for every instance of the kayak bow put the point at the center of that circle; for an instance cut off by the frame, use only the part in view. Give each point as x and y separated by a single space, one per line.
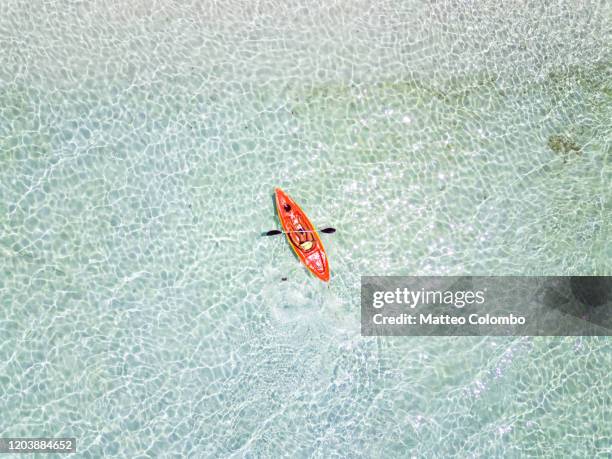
302 235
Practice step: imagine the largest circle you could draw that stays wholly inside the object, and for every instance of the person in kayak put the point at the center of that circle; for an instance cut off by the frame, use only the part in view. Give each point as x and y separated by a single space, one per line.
304 240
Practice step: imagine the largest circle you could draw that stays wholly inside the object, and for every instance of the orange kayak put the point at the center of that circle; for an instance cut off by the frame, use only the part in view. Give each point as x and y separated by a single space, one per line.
302 236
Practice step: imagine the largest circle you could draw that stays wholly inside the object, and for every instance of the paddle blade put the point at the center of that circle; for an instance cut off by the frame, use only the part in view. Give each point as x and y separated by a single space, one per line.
272 233
328 230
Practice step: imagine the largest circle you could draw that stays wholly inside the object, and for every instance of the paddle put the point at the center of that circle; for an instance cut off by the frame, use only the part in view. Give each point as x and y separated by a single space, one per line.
277 232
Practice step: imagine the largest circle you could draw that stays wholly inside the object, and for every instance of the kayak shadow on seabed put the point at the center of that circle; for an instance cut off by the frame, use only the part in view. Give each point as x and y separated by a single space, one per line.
587 298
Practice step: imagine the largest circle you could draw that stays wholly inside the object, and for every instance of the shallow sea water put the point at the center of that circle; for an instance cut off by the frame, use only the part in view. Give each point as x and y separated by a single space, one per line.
140 143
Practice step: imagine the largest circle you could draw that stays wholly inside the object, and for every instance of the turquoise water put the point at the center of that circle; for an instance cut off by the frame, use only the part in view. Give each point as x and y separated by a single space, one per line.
140 144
